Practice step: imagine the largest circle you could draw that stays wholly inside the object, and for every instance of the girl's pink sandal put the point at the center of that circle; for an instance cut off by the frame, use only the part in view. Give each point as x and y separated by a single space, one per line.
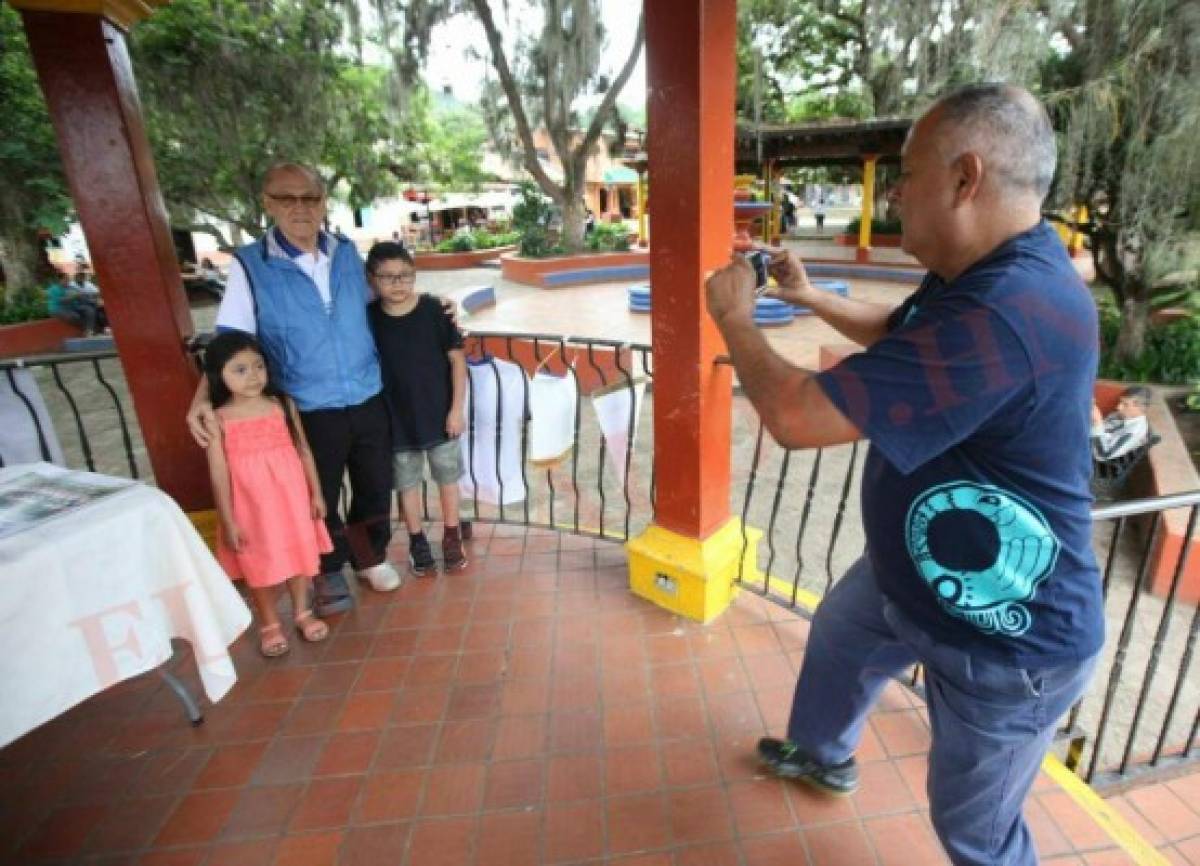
271 642
311 628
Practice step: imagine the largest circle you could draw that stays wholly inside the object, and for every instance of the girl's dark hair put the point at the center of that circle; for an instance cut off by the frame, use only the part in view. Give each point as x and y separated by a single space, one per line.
219 352
385 251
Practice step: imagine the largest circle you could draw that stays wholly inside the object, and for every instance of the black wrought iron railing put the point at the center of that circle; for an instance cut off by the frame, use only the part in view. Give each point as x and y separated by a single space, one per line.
1142 713
77 410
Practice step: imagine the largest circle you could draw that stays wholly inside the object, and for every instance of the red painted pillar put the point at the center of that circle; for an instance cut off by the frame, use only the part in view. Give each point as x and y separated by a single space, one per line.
83 64
691 75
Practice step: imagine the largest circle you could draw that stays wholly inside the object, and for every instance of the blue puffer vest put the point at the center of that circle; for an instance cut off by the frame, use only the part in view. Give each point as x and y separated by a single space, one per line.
323 360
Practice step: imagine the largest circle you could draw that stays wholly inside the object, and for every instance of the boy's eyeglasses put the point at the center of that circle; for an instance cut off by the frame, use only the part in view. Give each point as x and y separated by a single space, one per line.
291 202
395 279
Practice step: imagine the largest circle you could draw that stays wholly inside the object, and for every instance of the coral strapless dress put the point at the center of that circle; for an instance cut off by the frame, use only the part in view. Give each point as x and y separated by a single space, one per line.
271 505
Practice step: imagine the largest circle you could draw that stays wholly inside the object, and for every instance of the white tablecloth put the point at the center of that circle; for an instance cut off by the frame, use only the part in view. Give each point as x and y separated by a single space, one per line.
93 596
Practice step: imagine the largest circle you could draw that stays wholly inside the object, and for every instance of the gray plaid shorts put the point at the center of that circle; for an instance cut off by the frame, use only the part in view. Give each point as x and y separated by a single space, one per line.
445 465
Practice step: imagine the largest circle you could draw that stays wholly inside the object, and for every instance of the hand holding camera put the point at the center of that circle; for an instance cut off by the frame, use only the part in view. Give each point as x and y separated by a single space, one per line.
760 261
791 279
733 288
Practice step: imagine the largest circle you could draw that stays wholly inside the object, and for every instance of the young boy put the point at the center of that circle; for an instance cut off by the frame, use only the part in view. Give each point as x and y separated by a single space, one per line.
1123 430
424 384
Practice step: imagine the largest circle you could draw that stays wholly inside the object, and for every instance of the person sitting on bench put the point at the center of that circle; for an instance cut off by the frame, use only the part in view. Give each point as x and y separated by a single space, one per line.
1124 430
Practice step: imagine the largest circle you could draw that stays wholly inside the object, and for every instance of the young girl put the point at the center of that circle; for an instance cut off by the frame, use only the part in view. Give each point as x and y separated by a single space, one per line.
265 483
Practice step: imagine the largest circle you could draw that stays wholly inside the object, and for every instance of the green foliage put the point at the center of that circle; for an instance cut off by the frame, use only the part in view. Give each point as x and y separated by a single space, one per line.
536 243
485 240
853 58
1171 355
822 106
879 226
459 243
33 190
480 239
532 217
505 239
1185 297
1192 401
29 306
608 238
231 87
446 148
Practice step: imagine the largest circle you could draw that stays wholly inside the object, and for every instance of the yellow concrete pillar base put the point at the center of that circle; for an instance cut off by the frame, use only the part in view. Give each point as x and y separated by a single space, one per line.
206 523
689 576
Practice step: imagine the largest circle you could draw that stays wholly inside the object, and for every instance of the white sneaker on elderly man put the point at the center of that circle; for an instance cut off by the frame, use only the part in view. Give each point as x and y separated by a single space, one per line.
382 577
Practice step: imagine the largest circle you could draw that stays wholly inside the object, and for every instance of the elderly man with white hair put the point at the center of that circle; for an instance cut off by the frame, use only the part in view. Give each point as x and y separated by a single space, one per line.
975 395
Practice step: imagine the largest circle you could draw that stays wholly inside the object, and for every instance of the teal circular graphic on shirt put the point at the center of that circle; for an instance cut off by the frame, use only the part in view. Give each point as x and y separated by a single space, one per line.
988 594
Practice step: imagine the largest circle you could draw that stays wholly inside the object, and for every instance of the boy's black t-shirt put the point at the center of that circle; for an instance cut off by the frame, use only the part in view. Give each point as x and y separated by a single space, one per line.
416 371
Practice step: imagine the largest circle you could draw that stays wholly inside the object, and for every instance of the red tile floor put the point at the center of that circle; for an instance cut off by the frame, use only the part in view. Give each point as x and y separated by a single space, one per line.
529 711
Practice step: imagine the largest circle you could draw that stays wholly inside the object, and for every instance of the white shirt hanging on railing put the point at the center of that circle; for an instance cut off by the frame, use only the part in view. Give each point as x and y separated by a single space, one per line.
615 406
495 406
553 402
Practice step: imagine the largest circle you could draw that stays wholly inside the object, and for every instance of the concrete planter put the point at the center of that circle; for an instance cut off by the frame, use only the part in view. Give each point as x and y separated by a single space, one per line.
35 338
1167 469
456 261
577 270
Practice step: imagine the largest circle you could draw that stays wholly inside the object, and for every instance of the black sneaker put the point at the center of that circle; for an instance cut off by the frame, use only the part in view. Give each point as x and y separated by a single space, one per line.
453 556
420 555
786 760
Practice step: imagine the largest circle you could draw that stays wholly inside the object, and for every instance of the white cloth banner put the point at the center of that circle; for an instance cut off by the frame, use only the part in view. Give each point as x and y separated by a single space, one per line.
553 402
94 595
495 412
615 406
19 439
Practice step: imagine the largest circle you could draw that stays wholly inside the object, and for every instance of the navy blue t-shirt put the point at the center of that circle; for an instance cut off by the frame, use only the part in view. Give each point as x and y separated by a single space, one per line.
975 495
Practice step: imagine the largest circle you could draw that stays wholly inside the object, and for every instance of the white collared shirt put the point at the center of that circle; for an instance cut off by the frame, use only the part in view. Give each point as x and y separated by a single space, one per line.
236 311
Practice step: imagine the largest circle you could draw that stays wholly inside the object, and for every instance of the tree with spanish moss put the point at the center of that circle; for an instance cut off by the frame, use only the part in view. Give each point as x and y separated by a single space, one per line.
878 58
555 69
1129 108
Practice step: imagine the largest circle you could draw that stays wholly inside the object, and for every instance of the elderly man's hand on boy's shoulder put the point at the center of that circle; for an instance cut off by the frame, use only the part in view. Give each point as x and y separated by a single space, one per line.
449 307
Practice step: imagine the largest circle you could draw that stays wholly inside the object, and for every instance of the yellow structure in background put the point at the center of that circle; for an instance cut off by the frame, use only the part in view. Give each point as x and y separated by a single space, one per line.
771 221
1069 232
690 577
206 523
643 237
868 206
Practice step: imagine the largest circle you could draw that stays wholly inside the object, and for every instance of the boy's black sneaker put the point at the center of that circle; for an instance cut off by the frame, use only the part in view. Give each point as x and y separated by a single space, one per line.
420 555
786 760
453 556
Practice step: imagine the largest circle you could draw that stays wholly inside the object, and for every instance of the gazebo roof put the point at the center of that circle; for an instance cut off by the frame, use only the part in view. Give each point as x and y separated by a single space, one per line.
823 142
